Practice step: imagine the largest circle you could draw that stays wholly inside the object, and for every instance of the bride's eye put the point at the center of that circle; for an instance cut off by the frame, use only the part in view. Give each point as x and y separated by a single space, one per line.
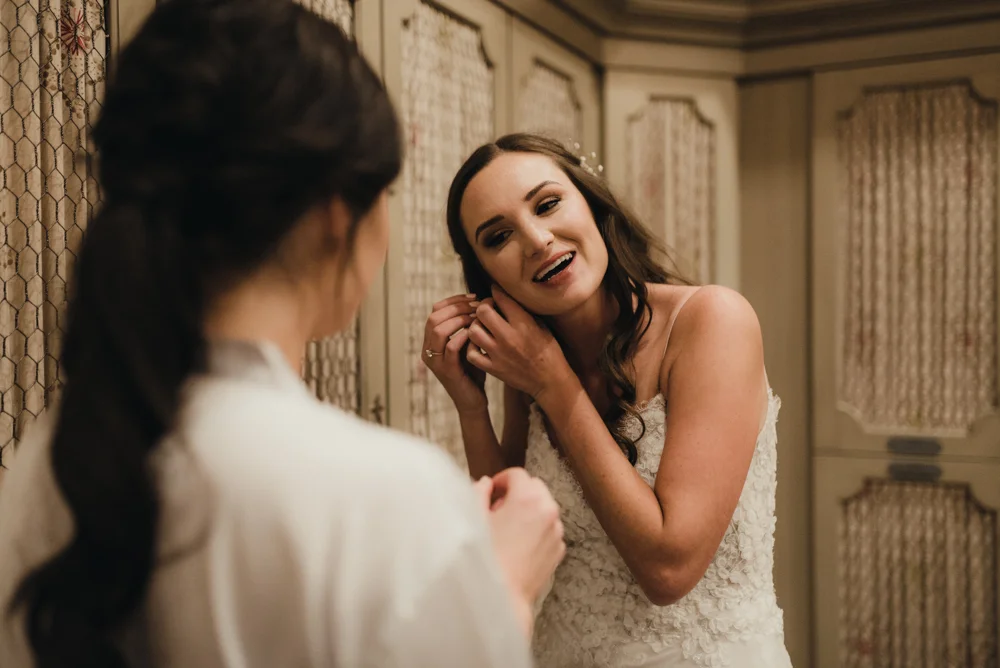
546 206
496 239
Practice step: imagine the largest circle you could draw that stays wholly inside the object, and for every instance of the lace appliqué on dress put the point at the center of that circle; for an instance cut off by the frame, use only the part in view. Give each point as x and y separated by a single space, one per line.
596 613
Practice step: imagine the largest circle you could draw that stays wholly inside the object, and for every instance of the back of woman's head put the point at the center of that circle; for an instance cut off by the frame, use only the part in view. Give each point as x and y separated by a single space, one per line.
225 122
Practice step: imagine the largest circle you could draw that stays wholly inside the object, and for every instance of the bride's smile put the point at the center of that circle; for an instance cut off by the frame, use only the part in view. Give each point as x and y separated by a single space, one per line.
534 233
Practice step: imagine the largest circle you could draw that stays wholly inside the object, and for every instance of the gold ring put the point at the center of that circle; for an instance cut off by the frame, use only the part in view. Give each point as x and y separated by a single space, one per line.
431 354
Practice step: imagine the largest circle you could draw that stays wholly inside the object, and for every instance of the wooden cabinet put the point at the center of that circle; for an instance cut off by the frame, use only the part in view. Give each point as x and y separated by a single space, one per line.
906 433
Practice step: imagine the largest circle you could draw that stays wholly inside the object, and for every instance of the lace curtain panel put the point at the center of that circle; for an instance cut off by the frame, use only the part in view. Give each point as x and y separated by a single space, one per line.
52 74
332 366
547 104
670 172
919 182
918 585
447 108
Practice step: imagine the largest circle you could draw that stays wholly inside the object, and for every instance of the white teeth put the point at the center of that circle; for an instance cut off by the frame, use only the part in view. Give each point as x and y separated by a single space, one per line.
558 262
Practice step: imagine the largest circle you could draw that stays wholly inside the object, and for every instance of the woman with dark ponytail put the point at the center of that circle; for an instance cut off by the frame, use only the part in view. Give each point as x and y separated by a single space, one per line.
187 503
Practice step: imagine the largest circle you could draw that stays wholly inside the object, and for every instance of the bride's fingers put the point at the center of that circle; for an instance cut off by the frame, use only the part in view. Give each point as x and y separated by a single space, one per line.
491 320
479 360
453 349
457 299
449 312
481 337
439 336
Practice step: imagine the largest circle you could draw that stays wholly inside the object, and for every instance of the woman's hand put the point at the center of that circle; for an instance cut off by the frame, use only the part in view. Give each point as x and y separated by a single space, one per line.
446 334
516 348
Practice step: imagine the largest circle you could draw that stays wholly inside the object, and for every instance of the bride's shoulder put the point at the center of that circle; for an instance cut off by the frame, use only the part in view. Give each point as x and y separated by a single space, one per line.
703 309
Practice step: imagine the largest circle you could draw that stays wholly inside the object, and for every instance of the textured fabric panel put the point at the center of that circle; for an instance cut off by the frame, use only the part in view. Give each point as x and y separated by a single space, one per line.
919 182
447 106
917 585
671 167
547 104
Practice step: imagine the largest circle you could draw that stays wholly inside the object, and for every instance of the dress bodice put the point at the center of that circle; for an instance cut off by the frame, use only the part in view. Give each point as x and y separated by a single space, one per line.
597 615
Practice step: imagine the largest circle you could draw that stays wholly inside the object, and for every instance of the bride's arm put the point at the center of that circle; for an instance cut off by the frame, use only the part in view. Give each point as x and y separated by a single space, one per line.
715 389
486 455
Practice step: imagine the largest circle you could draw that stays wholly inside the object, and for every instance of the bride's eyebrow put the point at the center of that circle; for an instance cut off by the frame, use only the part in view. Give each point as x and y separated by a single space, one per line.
527 198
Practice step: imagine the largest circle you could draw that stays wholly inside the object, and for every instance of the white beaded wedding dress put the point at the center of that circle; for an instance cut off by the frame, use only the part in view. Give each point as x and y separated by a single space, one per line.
595 614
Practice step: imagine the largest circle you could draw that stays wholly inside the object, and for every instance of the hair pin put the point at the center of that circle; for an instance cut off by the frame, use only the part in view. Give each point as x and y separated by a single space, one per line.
584 164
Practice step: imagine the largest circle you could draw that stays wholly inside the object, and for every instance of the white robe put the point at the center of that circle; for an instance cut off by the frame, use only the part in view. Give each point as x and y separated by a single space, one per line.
292 535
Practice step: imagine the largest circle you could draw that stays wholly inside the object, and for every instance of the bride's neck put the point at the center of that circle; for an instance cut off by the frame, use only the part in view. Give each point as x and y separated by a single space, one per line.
584 330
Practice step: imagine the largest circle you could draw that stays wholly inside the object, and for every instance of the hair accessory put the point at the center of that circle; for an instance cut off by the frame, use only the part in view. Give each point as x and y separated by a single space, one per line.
583 161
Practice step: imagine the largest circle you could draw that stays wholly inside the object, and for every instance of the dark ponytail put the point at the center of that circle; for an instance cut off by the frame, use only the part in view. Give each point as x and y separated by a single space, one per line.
227 120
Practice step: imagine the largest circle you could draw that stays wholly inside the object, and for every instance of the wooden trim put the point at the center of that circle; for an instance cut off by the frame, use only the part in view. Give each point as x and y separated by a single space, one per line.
755 25
567 28
372 345
622 54
869 50
873 50
774 204
125 19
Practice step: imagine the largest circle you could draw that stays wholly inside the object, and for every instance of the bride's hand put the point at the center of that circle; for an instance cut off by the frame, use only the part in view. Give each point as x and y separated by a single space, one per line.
516 348
446 334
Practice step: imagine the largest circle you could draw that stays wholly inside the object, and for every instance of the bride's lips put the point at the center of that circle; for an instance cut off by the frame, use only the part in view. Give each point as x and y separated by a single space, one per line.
564 276
552 270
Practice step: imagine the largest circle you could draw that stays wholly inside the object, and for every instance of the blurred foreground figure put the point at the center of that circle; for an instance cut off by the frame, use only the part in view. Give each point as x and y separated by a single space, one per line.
189 503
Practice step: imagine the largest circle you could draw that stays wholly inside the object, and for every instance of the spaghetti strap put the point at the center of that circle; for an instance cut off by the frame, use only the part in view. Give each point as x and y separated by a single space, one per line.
673 319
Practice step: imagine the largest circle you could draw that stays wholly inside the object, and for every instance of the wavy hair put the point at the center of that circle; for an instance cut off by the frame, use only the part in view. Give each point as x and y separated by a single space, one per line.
631 265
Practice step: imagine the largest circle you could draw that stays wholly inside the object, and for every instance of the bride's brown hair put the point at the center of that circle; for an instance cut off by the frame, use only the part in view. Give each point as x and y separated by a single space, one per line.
631 264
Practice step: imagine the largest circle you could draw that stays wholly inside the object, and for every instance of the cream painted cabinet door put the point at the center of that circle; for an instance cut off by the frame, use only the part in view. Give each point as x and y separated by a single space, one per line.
555 92
446 66
906 430
671 152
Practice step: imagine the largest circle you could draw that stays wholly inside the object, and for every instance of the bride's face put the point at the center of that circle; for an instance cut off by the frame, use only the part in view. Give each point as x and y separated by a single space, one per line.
534 233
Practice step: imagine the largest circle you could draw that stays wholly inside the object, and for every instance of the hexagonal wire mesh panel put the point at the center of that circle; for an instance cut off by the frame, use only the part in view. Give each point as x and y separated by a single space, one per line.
332 367
52 71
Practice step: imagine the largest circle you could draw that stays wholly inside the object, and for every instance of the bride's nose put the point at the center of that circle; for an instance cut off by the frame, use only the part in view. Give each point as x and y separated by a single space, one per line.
537 239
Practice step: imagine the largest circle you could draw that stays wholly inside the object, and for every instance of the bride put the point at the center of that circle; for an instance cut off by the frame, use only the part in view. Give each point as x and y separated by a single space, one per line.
641 400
